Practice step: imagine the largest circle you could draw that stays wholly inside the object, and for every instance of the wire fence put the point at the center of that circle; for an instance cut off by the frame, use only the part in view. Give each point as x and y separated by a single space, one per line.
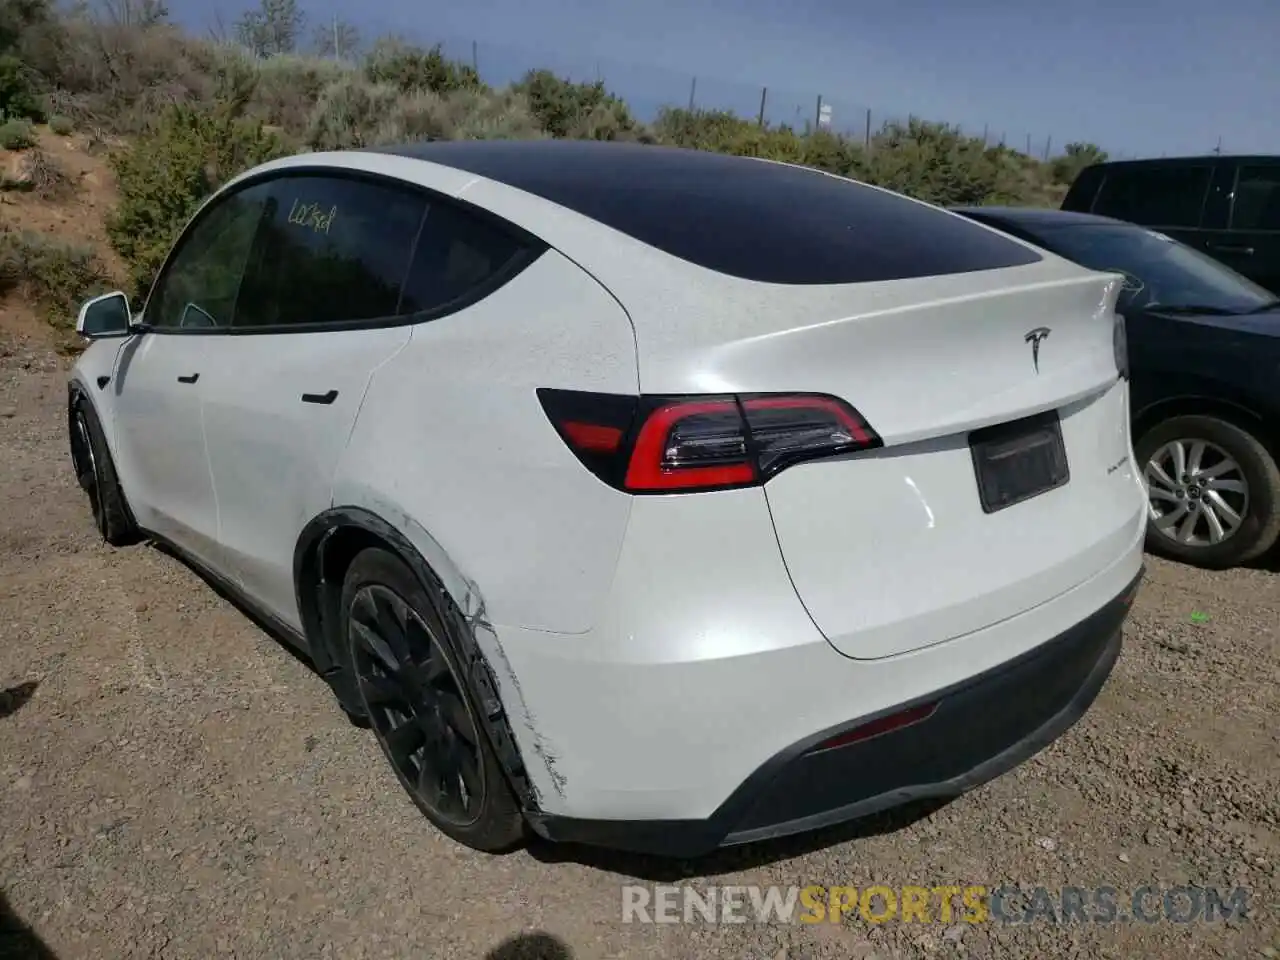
648 88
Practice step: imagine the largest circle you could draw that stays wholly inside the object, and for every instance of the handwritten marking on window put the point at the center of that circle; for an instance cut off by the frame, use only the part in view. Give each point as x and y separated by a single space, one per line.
311 215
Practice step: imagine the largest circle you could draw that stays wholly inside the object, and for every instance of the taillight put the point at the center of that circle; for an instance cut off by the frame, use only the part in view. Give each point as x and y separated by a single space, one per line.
671 444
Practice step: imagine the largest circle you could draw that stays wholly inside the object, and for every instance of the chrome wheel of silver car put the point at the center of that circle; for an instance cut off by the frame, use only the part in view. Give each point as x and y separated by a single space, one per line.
1198 495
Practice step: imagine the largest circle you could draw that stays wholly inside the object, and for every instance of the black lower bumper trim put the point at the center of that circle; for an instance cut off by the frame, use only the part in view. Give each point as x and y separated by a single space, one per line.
981 728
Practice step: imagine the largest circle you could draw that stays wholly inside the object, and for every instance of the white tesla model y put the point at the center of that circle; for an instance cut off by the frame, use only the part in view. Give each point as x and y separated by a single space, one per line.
644 497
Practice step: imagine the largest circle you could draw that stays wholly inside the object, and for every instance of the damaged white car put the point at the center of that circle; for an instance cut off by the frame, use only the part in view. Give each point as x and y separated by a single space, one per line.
642 497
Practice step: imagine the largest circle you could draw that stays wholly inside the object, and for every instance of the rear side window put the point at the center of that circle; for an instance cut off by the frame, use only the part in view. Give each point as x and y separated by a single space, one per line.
330 250
457 253
1257 200
1164 196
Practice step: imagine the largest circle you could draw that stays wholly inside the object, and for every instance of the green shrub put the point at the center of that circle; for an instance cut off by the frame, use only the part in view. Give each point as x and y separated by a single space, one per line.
423 115
933 162
56 277
125 76
18 95
833 154
17 135
486 115
578 110
608 120
410 69
165 174
349 113
461 115
62 126
289 86
31 31
1077 156
723 132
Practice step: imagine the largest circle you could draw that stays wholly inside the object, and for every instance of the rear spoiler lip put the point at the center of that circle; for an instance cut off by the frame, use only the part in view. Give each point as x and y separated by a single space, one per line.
1110 286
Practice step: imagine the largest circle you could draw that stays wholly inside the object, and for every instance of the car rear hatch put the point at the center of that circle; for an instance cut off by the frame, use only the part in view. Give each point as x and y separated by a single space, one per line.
1004 478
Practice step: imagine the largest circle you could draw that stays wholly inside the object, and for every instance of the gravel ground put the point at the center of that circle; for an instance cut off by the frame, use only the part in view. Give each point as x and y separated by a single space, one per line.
173 783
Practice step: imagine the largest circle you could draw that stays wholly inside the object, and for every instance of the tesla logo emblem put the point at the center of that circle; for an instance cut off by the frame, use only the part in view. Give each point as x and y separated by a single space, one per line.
1034 338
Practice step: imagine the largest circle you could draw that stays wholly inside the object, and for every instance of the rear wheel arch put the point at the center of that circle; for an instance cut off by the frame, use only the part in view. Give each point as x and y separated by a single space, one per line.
324 552
1236 413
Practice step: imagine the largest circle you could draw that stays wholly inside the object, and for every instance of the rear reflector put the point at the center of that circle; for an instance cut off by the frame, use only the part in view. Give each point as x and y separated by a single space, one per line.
687 444
593 437
881 725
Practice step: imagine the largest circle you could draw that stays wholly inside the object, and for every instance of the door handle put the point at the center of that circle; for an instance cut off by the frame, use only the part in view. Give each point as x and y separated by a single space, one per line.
1231 248
191 379
325 398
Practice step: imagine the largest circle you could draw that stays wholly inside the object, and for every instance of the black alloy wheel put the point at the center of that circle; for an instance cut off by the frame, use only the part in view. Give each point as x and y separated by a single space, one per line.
96 475
415 698
416 706
86 464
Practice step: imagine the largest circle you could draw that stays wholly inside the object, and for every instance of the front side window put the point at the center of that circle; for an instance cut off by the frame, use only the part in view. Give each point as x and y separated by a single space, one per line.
1160 272
1155 196
331 250
1257 201
197 287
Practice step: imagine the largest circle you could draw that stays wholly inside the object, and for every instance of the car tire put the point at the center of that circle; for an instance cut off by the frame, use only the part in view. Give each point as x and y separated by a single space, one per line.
402 645
96 474
1252 465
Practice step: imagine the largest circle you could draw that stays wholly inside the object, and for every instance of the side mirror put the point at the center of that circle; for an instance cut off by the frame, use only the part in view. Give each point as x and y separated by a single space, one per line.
105 316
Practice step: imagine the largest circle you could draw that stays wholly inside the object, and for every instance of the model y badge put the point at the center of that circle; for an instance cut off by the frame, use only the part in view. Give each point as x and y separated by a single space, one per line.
1034 338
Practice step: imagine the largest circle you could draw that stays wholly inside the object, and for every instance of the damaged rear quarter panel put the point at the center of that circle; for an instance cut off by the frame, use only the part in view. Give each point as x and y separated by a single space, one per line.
452 448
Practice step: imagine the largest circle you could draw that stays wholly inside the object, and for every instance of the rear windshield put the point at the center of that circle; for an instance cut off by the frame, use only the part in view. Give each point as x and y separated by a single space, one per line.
759 221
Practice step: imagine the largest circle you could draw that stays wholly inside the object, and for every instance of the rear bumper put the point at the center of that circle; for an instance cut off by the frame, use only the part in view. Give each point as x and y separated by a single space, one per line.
981 727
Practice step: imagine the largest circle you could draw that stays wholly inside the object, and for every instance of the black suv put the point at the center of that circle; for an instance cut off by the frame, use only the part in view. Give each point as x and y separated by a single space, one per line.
1227 207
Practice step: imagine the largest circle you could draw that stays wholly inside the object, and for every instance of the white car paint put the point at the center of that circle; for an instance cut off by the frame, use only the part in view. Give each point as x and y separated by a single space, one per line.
654 651
273 457
160 446
488 477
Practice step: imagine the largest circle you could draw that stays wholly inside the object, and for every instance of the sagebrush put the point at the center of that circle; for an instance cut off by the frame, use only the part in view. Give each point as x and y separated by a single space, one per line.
55 277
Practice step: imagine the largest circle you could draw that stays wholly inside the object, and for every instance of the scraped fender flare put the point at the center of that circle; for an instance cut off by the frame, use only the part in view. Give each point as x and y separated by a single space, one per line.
427 558
79 394
431 565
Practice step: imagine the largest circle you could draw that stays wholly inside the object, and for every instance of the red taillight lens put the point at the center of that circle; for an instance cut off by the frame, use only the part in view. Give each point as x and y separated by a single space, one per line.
592 436
670 444
796 427
699 443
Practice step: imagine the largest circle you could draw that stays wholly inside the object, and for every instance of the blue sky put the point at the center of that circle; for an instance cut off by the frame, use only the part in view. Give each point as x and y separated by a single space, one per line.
1150 77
